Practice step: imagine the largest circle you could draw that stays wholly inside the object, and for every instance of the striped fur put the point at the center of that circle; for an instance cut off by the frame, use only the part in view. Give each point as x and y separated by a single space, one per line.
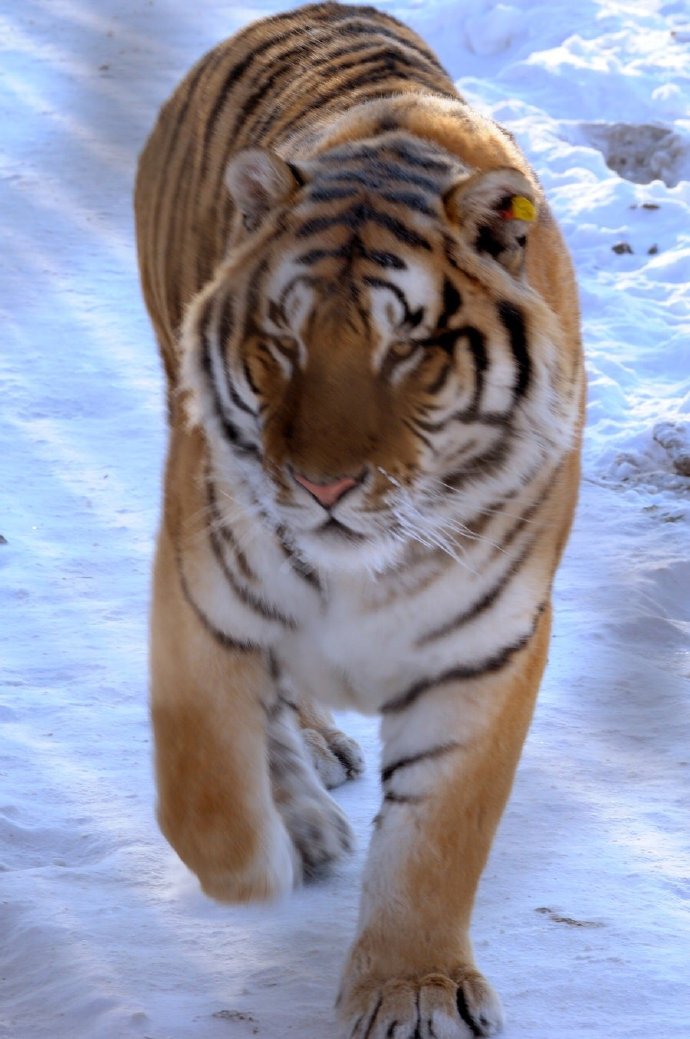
375 399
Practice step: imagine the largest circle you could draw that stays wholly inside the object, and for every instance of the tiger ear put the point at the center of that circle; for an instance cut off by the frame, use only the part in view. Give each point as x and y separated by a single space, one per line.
495 213
258 181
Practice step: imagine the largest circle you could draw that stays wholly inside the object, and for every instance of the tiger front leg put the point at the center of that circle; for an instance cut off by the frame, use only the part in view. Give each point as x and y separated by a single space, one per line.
209 707
448 766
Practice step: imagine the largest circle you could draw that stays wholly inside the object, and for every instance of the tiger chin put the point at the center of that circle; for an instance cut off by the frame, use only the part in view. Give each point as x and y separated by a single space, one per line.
369 326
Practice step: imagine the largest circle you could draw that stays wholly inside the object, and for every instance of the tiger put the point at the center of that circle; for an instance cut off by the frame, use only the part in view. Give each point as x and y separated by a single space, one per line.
369 325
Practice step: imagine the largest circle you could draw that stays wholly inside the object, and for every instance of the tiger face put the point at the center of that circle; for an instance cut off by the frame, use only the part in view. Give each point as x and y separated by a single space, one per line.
371 359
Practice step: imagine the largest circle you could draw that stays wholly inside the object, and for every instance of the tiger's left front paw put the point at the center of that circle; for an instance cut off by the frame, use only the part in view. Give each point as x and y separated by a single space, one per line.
436 1006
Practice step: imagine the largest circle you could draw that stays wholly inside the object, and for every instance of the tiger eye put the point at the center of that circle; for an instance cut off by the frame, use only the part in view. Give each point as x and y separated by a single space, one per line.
403 349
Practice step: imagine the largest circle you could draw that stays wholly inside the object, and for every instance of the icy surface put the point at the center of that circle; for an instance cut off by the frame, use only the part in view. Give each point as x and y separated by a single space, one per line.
583 918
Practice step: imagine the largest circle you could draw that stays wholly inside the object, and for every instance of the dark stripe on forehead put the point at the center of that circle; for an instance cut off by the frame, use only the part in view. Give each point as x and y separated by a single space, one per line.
356 216
410 200
420 158
323 194
513 321
353 249
372 170
412 317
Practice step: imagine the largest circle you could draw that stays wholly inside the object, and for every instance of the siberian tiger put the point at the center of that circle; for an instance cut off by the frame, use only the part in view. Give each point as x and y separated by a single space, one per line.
369 325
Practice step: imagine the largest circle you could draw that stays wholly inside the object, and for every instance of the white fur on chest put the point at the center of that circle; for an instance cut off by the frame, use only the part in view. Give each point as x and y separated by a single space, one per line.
355 652
349 655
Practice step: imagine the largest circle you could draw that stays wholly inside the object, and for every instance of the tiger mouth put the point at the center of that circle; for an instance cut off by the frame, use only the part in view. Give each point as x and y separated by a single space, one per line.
334 528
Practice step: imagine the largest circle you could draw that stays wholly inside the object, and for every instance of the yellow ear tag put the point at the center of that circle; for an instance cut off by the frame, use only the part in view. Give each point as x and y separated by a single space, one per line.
522 209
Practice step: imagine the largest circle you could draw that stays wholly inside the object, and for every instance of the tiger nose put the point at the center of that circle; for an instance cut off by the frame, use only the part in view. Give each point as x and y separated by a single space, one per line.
327 494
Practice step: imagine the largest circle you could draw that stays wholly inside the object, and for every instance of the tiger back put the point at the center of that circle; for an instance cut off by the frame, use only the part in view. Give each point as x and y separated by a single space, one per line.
370 330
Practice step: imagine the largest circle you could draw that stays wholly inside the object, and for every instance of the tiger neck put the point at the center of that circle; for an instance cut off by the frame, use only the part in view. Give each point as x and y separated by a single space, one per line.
449 125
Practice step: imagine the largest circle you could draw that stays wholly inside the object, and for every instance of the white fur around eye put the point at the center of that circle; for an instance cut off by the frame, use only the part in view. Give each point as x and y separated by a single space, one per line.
388 310
403 368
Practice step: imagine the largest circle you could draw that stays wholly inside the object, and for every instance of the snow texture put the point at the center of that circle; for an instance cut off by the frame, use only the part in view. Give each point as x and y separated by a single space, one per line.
582 920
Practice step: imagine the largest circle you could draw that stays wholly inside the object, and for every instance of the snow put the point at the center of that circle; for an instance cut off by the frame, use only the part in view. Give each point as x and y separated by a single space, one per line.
583 918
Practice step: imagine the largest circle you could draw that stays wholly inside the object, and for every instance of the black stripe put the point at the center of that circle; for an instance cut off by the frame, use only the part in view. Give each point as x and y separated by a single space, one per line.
226 329
231 431
389 261
246 597
482 465
447 341
324 194
226 532
237 71
404 799
477 347
411 201
440 381
378 172
379 76
226 641
416 432
282 65
355 217
361 26
352 249
418 160
452 301
174 136
302 57
482 604
527 515
488 666
301 568
412 317
413 759
513 321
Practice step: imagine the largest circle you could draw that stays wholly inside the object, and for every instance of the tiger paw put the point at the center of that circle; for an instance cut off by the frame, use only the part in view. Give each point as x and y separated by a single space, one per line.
336 757
319 830
436 1006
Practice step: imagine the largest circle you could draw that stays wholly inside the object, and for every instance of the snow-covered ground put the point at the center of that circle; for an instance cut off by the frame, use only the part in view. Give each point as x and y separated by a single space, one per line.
583 919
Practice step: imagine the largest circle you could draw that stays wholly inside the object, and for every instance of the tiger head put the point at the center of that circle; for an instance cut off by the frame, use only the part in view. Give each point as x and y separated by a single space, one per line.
370 358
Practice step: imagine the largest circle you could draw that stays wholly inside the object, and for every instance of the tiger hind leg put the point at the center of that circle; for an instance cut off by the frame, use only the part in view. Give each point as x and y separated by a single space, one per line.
318 827
335 755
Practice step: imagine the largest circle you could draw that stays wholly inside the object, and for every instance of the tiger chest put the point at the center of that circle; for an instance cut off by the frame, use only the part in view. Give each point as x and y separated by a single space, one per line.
357 650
